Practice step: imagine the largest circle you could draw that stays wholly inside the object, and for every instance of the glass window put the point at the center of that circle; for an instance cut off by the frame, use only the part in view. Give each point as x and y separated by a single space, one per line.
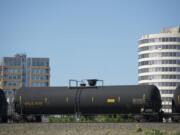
167 39
159 47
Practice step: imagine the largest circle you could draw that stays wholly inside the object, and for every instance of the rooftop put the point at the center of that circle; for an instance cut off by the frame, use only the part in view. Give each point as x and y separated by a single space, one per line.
171 30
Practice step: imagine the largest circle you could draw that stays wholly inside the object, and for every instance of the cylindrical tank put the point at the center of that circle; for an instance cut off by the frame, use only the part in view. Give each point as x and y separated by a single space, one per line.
3 107
88 100
176 100
120 99
45 100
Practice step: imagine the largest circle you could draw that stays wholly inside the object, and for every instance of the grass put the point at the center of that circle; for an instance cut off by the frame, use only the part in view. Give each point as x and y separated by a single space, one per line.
89 119
154 132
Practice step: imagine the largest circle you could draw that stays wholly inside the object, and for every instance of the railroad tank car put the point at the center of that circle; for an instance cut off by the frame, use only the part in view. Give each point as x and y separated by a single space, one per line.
88 100
3 107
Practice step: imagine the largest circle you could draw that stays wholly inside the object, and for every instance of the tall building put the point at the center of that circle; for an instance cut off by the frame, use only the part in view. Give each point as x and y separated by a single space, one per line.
159 62
20 71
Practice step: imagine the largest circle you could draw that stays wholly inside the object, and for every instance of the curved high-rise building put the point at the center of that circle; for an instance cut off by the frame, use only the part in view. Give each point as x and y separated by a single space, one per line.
159 62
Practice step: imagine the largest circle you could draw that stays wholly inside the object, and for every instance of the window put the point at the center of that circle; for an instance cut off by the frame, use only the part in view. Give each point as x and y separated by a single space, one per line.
146 48
167 39
161 54
167 91
156 62
39 84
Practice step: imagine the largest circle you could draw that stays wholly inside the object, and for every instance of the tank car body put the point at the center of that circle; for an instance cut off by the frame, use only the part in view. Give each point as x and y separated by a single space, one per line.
45 100
3 107
120 100
176 105
88 100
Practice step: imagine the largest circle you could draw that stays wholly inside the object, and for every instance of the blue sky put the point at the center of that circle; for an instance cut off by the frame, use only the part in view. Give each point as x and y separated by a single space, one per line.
84 38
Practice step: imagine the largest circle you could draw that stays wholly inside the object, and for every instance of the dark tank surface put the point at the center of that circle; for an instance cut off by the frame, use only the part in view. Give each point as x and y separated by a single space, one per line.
120 99
45 100
3 107
88 100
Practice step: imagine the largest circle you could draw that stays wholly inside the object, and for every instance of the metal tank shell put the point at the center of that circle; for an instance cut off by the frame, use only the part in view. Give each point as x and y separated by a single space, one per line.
176 100
3 107
45 100
88 100
120 99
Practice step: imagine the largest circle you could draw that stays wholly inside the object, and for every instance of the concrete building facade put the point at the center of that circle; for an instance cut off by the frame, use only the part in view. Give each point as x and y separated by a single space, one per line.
159 62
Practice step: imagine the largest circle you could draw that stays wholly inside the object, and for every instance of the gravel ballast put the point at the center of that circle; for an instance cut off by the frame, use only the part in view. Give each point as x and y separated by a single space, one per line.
90 129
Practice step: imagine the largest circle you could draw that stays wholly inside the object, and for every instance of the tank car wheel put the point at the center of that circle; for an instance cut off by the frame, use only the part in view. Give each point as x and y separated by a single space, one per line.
175 120
140 118
4 119
160 120
38 118
0 119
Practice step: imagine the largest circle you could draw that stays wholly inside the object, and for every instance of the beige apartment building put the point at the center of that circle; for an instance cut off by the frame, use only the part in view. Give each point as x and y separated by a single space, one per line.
21 71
